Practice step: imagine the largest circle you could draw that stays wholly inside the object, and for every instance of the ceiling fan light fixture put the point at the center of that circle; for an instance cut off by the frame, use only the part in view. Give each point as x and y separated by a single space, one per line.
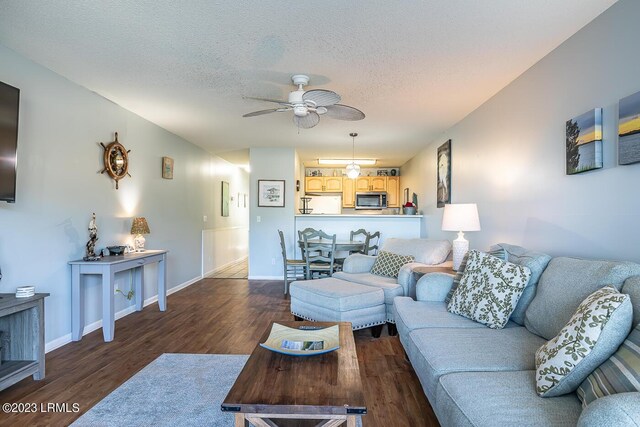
300 110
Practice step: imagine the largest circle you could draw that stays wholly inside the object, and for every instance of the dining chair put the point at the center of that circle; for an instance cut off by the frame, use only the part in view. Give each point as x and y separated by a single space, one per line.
300 241
371 247
294 269
354 235
319 254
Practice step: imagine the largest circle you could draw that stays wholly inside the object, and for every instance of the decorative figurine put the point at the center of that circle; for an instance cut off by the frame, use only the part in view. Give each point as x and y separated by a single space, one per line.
93 238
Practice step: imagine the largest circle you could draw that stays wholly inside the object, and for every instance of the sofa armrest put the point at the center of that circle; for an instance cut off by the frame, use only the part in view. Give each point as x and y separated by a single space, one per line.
616 410
434 286
358 263
407 279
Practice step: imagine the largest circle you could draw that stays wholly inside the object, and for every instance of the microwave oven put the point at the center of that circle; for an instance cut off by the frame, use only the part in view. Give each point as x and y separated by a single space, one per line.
371 200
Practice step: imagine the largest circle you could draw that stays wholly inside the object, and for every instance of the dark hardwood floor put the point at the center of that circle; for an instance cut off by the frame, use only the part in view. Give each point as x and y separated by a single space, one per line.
211 316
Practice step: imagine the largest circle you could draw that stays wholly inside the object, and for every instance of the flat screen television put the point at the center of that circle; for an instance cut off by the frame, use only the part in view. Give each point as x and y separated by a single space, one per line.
9 106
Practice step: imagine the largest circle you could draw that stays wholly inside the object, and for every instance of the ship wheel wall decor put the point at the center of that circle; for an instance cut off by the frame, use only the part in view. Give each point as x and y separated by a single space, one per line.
116 160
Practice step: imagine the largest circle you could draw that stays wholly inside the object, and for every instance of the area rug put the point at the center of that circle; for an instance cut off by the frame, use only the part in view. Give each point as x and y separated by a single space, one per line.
173 390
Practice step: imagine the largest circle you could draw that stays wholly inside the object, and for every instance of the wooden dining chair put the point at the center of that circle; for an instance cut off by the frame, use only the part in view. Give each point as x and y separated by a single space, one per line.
354 235
294 269
300 241
319 255
371 246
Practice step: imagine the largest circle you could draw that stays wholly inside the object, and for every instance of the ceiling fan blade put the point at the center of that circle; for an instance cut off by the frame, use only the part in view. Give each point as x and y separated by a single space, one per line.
308 121
343 112
277 101
321 97
261 112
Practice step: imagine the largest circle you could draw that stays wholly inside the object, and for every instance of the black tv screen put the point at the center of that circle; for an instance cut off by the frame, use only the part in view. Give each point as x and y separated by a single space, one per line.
9 105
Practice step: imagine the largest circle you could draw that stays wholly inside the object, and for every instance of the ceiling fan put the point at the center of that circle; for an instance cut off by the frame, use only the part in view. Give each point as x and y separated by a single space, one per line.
308 106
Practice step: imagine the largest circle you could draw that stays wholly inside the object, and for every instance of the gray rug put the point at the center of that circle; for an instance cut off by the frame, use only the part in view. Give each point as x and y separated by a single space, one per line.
173 390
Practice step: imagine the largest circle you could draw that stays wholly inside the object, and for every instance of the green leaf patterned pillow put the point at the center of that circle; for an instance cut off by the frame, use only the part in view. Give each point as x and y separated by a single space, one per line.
500 253
489 289
389 264
594 332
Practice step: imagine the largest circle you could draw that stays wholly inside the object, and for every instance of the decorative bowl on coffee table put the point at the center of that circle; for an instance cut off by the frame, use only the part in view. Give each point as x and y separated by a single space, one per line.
302 342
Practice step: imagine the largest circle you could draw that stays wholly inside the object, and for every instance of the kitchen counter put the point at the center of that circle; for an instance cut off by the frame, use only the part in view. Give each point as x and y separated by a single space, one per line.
401 226
360 216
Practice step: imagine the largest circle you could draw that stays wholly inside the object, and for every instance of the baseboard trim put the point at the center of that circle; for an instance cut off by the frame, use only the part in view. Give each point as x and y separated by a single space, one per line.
222 267
66 339
281 278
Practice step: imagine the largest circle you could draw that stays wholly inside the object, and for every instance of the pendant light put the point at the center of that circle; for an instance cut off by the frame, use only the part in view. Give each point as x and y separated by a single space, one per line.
353 170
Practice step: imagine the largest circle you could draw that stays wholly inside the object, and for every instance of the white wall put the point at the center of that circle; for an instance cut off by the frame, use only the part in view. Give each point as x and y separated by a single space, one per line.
59 186
509 154
265 259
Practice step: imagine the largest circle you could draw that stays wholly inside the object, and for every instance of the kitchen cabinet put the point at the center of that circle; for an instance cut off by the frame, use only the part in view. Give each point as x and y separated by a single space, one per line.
393 192
348 193
371 183
323 184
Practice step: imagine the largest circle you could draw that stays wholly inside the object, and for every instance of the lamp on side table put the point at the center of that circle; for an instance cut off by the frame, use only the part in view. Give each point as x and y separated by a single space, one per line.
460 217
139 227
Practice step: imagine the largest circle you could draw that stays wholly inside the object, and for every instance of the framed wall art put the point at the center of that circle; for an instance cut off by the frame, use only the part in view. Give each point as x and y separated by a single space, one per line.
444 174
271 193
167 168
629 130
225 198
584 142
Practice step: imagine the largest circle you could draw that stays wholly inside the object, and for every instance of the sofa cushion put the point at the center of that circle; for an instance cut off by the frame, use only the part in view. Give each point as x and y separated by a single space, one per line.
438 351
489 289
500 399
619 374
620 410
388 285
410 315
388 264
564 284
631 287
534 261
594 332
425 251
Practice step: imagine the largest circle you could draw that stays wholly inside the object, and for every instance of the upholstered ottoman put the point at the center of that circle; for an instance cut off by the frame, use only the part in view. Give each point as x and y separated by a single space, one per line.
335 300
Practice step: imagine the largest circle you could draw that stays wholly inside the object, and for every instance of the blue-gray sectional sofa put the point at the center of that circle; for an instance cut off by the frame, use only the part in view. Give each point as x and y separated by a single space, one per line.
477 376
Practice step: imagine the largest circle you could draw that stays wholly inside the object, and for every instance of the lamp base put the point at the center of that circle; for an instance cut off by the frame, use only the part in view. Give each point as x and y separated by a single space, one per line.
138 243
460 249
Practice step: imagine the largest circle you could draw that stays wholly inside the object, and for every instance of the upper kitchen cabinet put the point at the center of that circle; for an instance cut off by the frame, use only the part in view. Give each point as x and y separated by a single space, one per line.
348 193
371 183
323 184
393 192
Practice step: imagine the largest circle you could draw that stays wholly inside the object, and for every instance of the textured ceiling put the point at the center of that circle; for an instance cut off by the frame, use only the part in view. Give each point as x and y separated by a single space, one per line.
414 67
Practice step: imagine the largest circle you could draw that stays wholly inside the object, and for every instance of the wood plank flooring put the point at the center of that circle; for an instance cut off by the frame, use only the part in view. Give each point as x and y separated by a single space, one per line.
237 270
211 316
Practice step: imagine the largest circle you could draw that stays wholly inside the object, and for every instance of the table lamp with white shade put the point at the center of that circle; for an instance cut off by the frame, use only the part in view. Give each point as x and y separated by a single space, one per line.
460 217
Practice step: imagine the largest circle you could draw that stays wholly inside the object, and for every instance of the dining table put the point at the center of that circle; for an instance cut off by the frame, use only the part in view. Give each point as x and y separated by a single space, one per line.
341 245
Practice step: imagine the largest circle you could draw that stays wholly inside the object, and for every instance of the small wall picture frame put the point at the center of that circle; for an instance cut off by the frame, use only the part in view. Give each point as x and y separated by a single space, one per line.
225 199
583 141
271 193
443 188
167 168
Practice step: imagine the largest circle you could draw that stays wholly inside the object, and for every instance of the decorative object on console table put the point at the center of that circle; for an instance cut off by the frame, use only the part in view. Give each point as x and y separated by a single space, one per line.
584 142
271 193
90 253
139 227
629 130
167 168
409 208
116 160
460 217
444 174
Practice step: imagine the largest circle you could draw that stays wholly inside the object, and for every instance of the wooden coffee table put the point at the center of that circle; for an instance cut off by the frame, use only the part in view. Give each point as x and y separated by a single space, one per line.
326 387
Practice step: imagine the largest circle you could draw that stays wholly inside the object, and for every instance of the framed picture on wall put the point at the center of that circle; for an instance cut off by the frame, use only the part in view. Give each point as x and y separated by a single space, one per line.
270 193
584 142
167 168
225 198
443 190
629 130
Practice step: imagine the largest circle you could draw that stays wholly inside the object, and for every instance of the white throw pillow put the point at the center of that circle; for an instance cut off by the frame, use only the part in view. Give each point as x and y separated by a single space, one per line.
597 328
489 289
